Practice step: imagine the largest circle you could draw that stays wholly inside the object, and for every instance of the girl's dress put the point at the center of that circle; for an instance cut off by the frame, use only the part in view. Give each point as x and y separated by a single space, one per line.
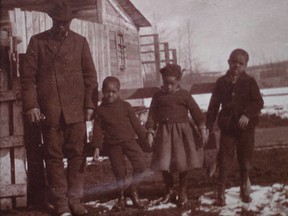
174 146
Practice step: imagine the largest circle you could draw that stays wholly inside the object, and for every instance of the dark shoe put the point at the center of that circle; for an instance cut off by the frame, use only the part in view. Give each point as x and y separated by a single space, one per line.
135 199
220 197
120 205
78 209
245 198
183 199
245 189
63 211
66 214
182 202
169 197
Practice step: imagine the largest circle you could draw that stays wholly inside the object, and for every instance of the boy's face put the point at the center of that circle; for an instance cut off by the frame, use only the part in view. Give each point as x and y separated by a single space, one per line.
170 83
237 64
111 92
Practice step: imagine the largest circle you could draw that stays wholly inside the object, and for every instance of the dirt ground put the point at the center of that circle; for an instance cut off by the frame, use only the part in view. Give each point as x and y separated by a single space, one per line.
269 167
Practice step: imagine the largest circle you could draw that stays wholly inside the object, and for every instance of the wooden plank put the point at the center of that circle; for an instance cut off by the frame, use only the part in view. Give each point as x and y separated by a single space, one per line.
101 9
48 21
5 159
13 22
20 25
11 141
19 152
29 25
20 174
42 26
11 190
6 96
36 23
106 36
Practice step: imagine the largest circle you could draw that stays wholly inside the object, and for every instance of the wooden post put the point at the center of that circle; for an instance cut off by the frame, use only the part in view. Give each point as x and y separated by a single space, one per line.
166 53
174 56
157 56
101 11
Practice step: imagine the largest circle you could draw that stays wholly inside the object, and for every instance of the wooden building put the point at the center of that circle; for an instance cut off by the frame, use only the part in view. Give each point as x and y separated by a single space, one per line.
112 30
111 27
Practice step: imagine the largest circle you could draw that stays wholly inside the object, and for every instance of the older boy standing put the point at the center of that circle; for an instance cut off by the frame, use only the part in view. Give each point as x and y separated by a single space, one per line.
241 102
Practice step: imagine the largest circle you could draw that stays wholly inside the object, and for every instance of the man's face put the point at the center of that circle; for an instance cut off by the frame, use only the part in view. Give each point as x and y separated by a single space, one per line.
237 64
111 92
61 27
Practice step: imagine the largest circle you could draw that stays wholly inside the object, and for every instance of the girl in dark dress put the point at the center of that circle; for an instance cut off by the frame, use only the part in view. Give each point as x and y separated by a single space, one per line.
174 149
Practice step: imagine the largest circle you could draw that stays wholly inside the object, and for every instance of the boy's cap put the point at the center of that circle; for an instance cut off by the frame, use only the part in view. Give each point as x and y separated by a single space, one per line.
171 70
239 51
61 11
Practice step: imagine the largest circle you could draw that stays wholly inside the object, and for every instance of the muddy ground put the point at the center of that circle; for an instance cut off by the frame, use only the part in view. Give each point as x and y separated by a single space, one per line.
269 166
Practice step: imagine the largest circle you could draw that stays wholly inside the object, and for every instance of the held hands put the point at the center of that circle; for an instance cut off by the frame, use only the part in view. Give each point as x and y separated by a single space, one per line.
204 135
88 114
150 138
96 154
243 122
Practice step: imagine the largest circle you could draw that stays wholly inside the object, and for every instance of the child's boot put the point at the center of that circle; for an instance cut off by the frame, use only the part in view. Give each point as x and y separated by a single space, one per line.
245 187
170 195
220 201
121 202
133 193
183 199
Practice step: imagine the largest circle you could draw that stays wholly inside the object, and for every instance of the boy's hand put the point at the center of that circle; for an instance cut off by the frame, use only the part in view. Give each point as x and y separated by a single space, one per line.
243 122
150 139
88 114
96 154
204 134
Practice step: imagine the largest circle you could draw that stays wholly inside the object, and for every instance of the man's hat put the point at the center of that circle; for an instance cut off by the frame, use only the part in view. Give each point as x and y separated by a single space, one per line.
61 11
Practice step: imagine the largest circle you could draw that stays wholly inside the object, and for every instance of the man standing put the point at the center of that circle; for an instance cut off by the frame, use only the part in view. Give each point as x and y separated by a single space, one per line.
59 82
241 102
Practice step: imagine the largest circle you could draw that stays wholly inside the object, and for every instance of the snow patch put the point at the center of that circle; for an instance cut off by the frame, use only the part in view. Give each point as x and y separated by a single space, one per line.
265 201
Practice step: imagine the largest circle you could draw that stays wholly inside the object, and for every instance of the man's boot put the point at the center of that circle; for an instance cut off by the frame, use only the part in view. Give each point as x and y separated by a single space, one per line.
220 201
170 195
245 187
75 175
183 199
133 193
121 202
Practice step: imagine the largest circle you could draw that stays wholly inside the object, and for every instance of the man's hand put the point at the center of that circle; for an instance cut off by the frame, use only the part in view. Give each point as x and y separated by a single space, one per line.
96 154
33 115
150 139
243 122
88 114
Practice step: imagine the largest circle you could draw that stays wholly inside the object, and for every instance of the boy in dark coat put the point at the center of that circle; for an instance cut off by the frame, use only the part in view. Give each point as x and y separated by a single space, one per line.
59 81
115 124
241 103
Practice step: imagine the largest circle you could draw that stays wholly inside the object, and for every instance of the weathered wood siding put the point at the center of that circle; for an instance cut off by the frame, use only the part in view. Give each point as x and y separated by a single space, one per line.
118 22
13 178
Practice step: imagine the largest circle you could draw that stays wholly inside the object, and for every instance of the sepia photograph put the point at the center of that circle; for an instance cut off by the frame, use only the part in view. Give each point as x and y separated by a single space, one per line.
143 108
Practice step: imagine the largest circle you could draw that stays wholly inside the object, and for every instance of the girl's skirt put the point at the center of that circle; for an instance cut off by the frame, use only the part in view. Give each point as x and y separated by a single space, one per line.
175 150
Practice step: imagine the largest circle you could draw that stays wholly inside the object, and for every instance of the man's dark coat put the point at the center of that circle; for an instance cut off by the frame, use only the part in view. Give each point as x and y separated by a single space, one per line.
59 79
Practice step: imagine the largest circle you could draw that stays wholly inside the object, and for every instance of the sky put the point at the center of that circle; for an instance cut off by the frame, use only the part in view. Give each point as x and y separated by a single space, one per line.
219 26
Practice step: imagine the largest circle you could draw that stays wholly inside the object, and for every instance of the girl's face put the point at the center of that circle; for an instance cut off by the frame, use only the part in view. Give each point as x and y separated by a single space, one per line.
170 83
111 92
